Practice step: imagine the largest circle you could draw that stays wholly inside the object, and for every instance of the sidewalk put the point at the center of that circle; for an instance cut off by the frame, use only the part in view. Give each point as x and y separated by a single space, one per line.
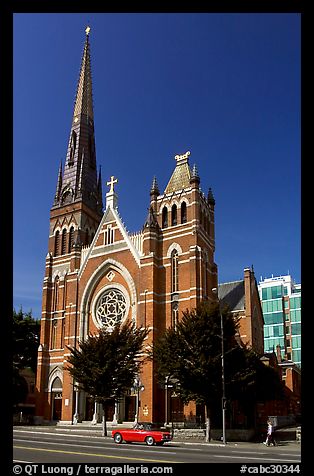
95 431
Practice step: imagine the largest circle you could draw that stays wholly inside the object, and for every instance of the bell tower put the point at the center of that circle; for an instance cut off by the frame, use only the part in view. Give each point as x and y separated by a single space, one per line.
77 207
74 219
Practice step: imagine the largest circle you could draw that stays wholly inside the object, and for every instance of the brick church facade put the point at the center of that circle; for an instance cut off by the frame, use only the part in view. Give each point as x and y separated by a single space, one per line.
98 273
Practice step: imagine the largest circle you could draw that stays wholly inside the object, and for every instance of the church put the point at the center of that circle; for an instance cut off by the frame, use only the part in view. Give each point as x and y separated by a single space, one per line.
96 273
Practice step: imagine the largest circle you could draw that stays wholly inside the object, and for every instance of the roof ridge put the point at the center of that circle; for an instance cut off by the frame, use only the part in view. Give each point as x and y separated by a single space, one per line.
231 282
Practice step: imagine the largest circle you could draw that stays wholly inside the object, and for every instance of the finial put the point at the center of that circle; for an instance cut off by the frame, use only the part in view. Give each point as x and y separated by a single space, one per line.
111 183
154 188
183 156
195 171
87 30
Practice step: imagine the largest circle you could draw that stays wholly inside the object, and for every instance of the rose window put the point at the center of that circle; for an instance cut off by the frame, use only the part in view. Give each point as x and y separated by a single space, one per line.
111 308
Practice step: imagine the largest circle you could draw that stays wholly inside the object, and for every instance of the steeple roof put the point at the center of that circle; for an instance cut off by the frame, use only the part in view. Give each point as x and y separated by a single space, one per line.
79 182
84 99
180 178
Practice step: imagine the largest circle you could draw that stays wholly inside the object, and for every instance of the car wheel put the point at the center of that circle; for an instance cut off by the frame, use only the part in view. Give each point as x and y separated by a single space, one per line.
118 438
149 440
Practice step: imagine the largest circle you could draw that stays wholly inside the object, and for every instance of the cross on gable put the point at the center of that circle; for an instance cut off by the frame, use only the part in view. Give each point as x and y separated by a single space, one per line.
111 183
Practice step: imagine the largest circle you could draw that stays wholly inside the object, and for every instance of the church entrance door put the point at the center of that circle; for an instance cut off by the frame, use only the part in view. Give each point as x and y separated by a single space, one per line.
56 405
130 408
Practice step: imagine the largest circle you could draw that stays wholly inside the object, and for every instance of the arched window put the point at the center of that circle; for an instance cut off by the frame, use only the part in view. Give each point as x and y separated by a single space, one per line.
174 271
174 215
71 239
54 334
64 242
62 333
183 212
57 243
56 294
56 385
164 217
205 290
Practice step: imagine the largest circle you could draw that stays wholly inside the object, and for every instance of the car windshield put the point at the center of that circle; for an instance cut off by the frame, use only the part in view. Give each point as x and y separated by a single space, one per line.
142 426
146 426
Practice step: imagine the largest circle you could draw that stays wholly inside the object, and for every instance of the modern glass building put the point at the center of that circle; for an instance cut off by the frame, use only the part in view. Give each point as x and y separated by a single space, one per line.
281 303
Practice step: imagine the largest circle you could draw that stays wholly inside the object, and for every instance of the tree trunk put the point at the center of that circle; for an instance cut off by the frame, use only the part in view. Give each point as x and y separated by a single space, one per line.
207 421
104 421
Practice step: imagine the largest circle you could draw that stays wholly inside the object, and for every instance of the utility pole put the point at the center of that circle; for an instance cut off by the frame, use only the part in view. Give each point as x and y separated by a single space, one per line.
223 399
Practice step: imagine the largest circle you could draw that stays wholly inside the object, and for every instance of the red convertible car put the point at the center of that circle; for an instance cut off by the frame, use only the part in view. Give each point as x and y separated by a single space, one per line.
142 433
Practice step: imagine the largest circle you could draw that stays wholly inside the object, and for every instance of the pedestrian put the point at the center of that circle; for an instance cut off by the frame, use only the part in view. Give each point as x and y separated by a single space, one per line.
270 434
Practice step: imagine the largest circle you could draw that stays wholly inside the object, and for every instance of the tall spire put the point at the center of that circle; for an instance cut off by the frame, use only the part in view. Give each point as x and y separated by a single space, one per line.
84 99
79 181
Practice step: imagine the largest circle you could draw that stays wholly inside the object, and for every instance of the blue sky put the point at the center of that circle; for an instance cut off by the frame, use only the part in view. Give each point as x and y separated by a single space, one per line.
224 86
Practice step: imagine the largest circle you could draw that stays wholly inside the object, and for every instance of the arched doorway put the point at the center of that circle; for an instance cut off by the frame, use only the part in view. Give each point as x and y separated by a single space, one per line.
56 399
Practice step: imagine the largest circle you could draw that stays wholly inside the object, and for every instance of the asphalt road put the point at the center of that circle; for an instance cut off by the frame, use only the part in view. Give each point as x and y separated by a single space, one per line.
44 447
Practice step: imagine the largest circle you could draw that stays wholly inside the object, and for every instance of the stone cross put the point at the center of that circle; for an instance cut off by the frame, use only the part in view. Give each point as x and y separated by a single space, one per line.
111 183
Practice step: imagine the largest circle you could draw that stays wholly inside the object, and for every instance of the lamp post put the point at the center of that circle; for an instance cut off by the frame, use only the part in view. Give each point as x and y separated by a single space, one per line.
138 387
223 399
76 417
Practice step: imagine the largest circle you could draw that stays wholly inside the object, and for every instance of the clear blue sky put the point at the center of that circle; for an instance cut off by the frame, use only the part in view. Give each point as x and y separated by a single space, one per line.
224 86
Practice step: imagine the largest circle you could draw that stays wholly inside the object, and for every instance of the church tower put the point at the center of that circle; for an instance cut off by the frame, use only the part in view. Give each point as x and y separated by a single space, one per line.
77 206
74 218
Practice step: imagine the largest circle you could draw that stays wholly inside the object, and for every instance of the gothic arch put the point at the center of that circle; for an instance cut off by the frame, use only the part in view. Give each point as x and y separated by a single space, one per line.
55 373
172 247
87 298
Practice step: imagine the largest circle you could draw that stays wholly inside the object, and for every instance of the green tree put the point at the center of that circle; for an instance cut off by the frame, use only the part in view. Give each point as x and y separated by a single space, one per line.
191 354
105 365
25 332
196 345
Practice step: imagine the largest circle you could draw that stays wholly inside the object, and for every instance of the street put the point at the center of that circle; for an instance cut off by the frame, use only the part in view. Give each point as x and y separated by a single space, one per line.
42 446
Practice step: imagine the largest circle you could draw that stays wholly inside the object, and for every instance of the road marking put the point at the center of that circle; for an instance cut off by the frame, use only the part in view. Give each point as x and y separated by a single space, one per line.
114 448
260 458
96 454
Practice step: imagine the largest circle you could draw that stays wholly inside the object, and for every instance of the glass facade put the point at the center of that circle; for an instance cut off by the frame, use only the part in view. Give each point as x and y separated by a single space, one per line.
281 304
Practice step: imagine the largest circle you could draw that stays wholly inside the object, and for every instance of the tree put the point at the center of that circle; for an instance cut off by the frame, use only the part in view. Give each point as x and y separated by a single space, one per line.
196 345
25 332
105 365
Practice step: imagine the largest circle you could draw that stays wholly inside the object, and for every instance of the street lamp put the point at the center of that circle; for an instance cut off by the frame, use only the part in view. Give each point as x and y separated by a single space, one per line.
138 387
223 399
76 417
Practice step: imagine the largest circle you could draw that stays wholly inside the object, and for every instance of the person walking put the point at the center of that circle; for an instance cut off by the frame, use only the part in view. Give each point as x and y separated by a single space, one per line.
270 434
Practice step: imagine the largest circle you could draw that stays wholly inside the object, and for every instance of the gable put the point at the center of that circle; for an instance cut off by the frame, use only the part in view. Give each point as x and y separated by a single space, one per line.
110 237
